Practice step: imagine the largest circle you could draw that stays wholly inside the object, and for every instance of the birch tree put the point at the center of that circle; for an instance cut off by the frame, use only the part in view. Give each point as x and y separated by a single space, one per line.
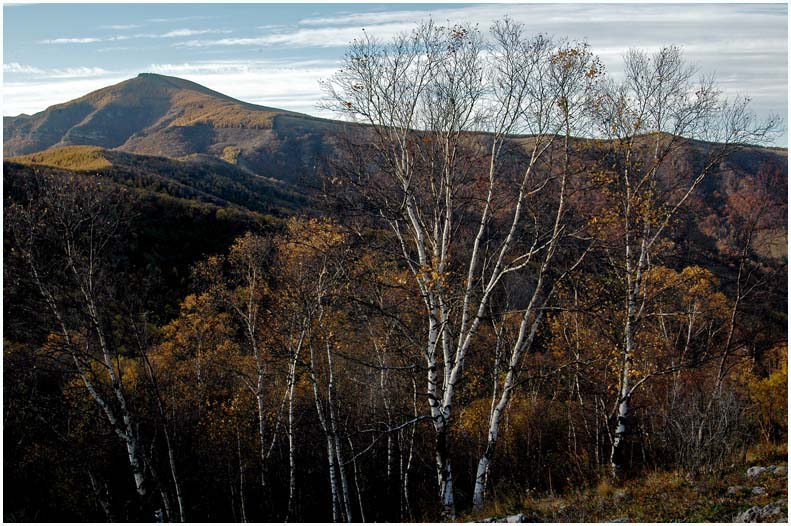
239 284
456 208
307 278
66 230
647 120
572 72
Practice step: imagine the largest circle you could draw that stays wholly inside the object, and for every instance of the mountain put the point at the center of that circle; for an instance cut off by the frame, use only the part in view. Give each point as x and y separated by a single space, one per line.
171 117
174 136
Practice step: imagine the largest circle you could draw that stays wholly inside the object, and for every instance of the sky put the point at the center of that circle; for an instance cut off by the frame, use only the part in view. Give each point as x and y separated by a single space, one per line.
276 54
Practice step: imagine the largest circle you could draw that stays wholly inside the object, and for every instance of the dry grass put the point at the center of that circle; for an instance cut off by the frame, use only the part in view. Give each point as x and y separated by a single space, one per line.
199 108
605 489
230 154
80 158
657 496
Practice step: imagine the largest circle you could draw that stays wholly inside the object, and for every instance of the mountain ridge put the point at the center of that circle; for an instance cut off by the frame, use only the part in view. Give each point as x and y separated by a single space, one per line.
178 132
160 115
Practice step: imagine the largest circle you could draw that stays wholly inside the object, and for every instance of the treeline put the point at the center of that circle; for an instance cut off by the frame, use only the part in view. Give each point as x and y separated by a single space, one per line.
476 314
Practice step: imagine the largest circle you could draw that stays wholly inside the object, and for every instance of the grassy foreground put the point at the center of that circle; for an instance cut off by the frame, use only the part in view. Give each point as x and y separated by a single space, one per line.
660 496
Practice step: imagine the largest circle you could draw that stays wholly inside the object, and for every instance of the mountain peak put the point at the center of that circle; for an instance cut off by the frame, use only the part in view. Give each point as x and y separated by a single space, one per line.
166 116
124 115
173 83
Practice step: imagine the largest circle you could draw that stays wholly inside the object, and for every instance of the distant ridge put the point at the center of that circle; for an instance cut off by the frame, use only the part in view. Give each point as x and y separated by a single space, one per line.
231 150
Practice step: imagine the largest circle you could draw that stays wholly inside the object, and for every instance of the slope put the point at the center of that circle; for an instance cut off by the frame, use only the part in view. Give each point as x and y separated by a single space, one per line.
200 178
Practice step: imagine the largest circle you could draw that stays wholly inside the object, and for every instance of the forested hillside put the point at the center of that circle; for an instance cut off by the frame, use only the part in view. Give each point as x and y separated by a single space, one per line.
503 277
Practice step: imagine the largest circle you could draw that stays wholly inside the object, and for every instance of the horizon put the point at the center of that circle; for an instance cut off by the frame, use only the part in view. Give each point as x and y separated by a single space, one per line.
275 55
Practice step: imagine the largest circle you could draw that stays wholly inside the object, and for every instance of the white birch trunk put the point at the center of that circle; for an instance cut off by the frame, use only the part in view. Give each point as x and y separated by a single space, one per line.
292 468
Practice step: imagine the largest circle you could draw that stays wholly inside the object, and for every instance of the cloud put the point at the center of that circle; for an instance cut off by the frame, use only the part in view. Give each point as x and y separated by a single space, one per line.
357 19
240 66
57 73
77 72
178 19
323 37
603 26
293 86
551 14
86 40
16 67
745 45
192 32
272 26
113 49
285 84
116 38
120 27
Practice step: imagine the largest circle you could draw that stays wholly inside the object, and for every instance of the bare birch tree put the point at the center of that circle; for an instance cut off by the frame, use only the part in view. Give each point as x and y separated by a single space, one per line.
456 208
647 119
571 73
66 230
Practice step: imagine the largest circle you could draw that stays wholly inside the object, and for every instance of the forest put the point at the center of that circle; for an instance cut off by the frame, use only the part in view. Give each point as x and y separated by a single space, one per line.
514 274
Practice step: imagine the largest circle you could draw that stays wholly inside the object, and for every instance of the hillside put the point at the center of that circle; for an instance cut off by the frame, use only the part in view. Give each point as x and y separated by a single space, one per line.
173 226
198 177
167 116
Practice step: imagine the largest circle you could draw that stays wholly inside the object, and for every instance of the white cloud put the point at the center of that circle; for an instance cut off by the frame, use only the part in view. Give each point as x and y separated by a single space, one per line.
192 32
116 38
273 26
323 37
77 72
58 73
261 67
86 40
357 19
746 46
289 85
120 27
16 67
286 84
550 14
178 19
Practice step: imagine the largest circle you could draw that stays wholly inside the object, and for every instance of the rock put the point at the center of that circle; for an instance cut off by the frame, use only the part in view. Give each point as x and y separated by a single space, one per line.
780 471
621 494
756 471
750 515
758 490
768 513
622 519
518 518
735 490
